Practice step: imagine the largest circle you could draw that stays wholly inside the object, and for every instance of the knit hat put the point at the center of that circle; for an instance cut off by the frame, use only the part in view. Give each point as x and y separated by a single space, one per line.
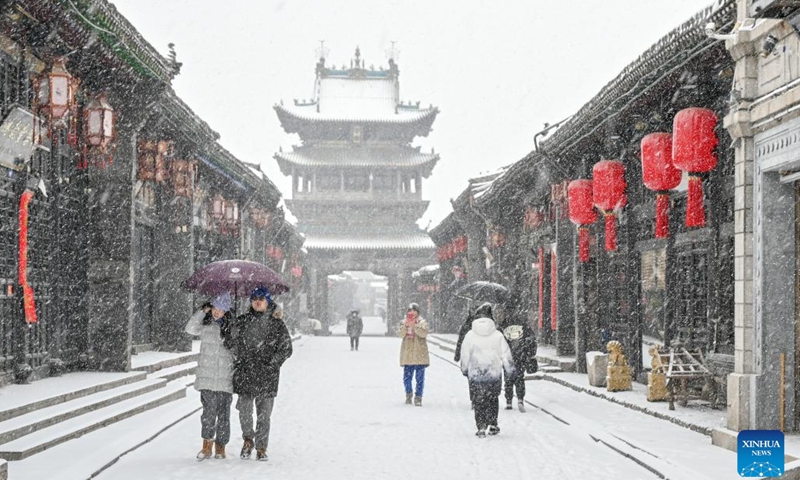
222 302
414 307
260 292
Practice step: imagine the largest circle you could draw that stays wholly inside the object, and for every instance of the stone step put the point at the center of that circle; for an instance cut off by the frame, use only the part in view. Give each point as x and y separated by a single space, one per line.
58 390
153 361
93 452
75 427
36 420
178 371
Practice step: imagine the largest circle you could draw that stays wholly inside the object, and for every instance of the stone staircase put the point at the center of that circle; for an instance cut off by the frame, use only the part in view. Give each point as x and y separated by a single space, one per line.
53 411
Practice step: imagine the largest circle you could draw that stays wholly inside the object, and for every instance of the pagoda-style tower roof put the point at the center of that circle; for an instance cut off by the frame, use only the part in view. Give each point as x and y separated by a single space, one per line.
356 95
366 156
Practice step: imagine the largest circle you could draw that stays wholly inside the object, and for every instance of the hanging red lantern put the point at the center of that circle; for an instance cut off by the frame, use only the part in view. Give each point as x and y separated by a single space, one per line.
693 144
54 98
582 213
99 127
659 175
608 192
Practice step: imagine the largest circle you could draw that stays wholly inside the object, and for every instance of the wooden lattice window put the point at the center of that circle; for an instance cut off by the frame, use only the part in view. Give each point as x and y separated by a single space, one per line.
691 315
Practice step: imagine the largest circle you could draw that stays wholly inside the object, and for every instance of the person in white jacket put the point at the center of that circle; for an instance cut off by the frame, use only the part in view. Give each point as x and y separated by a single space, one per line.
214 374
484 357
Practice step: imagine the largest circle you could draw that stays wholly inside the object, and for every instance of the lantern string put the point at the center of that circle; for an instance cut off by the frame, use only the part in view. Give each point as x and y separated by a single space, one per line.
662 215
695 210
611 231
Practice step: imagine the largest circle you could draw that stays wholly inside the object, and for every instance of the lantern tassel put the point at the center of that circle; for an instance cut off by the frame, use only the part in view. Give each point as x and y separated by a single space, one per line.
611 232
695 211
583 243
662 215
29 307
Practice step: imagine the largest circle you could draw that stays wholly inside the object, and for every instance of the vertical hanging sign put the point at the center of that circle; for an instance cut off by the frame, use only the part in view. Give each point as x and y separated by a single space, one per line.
27 292
553 290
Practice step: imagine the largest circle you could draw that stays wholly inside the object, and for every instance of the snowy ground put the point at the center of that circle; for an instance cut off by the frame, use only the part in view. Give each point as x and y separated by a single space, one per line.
341 415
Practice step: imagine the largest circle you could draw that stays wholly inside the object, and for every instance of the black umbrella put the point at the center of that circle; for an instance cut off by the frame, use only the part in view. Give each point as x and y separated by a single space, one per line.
237 277
484 292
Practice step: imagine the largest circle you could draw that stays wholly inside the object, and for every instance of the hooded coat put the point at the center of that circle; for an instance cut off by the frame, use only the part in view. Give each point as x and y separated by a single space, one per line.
215 364
485 353
261 343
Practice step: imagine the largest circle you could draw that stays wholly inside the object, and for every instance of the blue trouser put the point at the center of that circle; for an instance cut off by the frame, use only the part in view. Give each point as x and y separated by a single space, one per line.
419 371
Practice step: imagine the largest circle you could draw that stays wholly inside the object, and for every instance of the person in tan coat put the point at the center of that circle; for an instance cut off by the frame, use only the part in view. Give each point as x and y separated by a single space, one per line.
414 352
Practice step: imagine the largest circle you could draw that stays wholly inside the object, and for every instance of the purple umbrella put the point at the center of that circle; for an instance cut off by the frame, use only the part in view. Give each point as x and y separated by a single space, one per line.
237 277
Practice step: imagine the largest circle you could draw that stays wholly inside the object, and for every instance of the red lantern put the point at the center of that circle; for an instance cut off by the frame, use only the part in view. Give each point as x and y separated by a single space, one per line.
54 97
99 127
659 175
608 191
581 213
693 144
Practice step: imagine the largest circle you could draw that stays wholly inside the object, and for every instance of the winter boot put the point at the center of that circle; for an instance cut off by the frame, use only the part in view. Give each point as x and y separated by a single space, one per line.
508 405
205 452
247 448
493 430
521 406
417 401
408 398
480 434
261 454
219 450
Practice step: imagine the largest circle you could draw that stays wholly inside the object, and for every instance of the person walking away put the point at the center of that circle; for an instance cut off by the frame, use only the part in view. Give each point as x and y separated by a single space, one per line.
485 355
522 342
261 344
355 326
214 374
414 356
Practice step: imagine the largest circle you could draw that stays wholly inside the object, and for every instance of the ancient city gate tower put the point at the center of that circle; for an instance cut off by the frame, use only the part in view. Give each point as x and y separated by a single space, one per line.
356 179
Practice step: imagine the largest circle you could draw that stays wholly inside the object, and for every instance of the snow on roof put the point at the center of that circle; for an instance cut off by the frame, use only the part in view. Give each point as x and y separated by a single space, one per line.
402 115
480 185
356 241
355 157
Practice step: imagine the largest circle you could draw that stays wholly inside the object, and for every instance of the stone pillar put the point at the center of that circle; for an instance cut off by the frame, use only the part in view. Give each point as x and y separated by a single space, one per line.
392 302
742 382
565 311
110 273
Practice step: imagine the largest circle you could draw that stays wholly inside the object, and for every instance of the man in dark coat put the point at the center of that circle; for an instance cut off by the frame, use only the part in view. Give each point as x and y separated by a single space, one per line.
462 332
355 326
522 341
260 343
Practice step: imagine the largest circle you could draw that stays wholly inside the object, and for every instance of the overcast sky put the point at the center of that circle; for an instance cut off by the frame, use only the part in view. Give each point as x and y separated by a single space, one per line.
497 70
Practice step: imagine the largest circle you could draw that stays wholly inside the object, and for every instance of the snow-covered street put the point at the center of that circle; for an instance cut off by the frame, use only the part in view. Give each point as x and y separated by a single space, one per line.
341 415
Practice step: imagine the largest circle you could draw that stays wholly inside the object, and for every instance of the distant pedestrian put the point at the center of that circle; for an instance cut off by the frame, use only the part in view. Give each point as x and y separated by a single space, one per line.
214 374
484 357
522 342
261 344
414 352
355 326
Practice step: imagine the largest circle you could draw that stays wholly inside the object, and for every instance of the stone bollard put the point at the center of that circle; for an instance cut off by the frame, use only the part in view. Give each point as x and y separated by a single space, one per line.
618 371
597 367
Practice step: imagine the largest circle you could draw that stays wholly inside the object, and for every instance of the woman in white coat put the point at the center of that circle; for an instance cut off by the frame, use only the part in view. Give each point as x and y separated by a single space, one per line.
484 357
214 374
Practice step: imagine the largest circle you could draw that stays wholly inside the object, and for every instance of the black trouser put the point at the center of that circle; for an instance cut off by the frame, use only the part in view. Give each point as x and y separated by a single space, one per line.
215 421
518 380
486 401
353 343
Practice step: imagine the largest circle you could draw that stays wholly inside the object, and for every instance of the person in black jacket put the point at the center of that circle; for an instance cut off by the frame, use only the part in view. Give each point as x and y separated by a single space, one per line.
260 344
355 326
522 341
